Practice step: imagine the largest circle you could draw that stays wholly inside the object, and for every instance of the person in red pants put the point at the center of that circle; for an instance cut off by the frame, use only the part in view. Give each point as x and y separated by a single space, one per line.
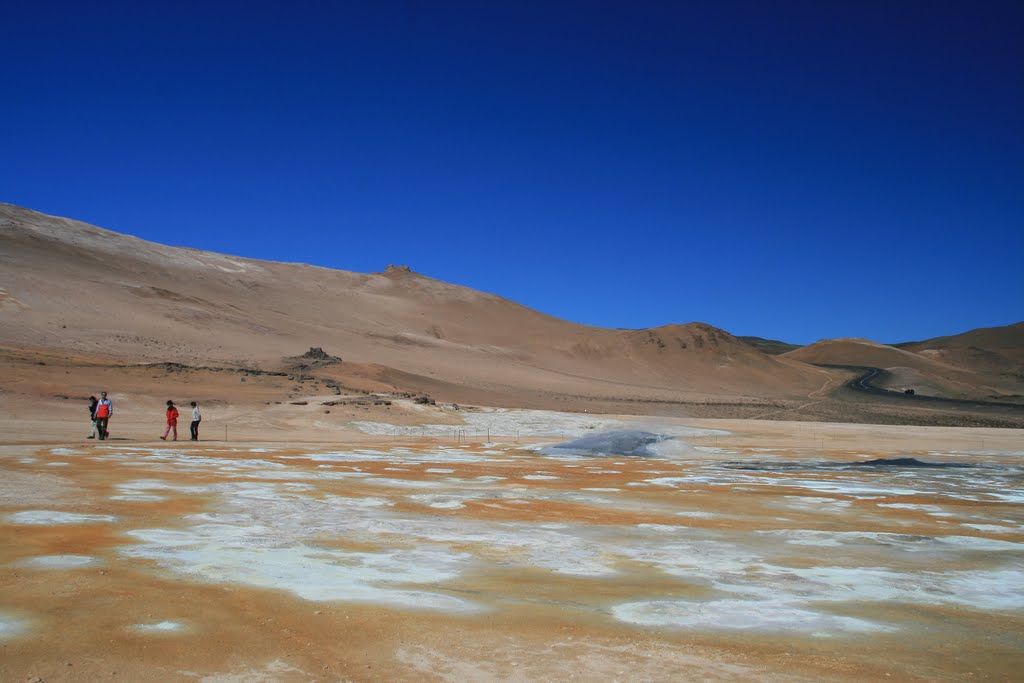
172 421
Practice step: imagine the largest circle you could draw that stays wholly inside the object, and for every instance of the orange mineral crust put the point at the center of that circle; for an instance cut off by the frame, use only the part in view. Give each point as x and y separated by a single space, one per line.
422 560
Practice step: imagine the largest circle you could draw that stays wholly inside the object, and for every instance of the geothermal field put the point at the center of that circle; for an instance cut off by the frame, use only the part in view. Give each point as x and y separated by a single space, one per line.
565 547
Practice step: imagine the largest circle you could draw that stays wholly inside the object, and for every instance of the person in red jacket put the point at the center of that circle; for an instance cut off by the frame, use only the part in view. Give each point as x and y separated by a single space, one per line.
103 412
172 421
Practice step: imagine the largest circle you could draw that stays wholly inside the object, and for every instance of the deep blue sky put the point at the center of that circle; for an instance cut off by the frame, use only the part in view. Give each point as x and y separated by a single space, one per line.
792 170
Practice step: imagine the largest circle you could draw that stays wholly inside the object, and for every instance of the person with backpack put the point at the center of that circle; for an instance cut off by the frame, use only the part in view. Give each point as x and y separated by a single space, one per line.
104 411
92 417
172 421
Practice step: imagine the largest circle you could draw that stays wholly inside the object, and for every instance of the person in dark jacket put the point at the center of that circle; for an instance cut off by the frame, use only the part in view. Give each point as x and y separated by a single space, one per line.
92 417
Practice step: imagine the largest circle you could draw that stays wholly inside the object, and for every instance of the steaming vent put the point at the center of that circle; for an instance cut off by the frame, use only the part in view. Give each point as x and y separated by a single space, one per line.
632 444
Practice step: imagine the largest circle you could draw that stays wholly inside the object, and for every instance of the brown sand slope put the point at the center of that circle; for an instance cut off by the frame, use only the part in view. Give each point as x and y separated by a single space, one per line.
928 374
77 288
83 308
992 350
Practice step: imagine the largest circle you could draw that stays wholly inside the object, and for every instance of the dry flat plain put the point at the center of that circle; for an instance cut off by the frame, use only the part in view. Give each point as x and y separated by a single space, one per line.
737 550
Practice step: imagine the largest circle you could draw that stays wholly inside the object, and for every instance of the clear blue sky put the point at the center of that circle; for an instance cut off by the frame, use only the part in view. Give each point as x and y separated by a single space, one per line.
792 170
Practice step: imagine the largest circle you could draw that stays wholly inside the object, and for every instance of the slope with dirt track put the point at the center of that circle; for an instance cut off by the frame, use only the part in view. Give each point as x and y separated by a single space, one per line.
907 370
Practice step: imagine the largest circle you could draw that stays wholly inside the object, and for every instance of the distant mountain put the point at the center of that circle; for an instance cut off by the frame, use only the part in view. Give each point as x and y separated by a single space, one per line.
990 350
73 290
931 368
77 288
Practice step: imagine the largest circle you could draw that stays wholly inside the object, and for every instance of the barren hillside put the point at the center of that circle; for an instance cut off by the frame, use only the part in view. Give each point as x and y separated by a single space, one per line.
77 288
931 373
81 305
993 350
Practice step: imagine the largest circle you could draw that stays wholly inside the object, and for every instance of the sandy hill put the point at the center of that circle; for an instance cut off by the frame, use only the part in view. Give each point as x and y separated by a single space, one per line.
995 350
929 371
79 289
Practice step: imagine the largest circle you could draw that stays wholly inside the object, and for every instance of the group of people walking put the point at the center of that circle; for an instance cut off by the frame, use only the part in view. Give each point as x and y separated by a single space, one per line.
100 412
172 421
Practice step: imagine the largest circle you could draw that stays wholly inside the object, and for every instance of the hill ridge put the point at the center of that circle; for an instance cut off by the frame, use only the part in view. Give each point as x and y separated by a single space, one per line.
82 289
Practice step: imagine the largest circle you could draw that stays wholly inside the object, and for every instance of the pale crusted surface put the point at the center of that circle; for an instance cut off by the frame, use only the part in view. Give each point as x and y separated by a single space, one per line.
28 488
745 551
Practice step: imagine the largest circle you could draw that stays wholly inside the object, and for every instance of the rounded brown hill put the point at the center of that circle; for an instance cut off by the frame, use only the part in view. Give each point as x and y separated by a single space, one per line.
79 291
83 289
926 373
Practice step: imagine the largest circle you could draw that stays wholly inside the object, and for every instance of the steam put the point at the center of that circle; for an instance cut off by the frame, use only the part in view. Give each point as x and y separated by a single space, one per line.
630 444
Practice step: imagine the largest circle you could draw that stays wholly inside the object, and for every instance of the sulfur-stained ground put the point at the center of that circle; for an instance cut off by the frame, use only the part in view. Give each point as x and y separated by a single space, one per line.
724 557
